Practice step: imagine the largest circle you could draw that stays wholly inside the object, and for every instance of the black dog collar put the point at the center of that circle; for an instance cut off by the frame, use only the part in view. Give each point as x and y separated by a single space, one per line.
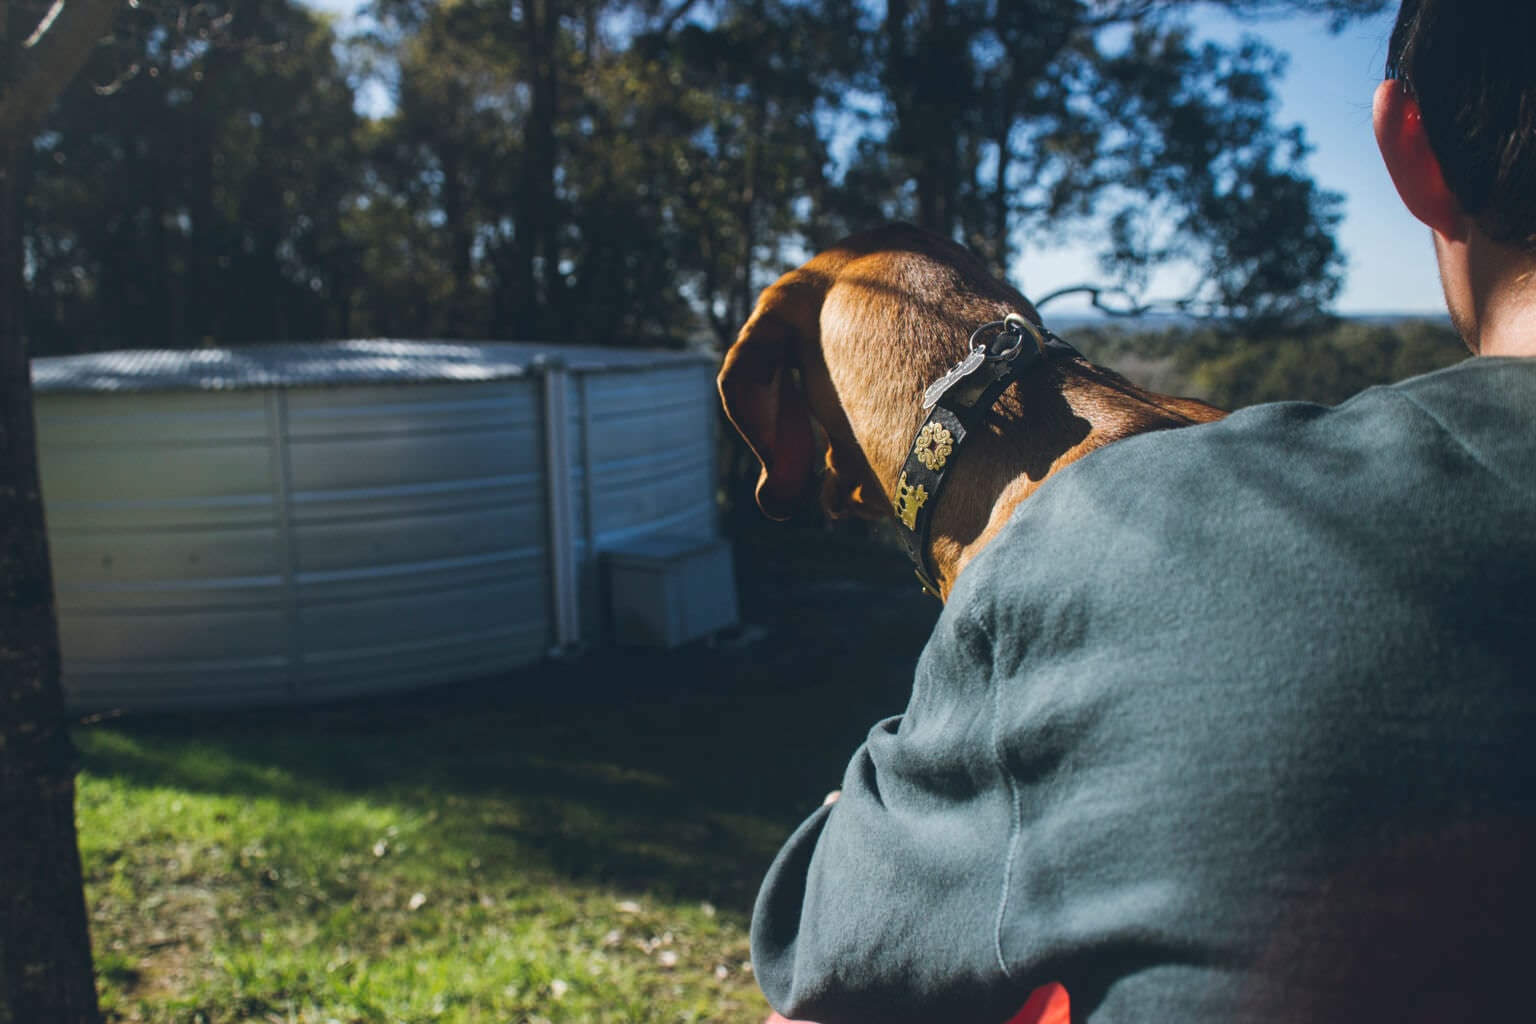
957 401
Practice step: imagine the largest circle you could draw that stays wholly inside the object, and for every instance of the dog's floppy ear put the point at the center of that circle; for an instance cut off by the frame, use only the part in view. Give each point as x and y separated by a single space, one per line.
764 401
849 488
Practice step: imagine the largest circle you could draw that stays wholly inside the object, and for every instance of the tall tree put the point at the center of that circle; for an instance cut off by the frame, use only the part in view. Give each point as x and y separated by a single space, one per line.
1038 115
600 170
467 162
204 196
45 953
728 123
626 170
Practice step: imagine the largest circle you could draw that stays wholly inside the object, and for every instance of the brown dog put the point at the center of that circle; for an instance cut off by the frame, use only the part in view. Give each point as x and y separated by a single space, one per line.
854 337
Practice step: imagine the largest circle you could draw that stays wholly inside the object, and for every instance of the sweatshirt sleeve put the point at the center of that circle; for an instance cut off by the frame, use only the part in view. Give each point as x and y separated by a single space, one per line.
1237 673
886 904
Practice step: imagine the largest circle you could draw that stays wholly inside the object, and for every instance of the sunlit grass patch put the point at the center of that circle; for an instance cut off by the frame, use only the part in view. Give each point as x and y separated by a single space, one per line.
577 842
291 900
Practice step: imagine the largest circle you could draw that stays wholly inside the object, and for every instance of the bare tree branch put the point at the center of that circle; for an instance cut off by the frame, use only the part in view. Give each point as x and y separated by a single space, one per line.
44 25
675 15
41 67
1126 305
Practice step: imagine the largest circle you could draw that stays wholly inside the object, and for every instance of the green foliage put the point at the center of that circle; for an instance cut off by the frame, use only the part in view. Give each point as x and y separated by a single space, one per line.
1214 168
199 198
1012 118
439 167
632 171
1327 361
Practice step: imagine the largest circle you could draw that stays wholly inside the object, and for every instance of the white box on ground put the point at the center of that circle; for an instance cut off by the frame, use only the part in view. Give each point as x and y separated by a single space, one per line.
664 591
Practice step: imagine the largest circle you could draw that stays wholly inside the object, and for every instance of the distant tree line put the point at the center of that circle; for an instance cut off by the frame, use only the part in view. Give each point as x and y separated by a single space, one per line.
1326 361
633 171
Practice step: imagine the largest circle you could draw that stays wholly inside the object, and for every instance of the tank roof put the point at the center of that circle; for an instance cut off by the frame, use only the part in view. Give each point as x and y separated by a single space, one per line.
332 364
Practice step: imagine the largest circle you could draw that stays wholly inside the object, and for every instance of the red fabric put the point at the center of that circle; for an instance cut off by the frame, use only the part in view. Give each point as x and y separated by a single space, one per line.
1048 1004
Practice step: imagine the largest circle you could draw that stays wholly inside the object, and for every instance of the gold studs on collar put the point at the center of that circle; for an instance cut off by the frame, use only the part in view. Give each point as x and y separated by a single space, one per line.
934 445
909 501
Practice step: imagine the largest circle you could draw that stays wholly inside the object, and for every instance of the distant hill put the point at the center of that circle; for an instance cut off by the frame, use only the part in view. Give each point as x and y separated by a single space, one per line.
1156 322
1223 364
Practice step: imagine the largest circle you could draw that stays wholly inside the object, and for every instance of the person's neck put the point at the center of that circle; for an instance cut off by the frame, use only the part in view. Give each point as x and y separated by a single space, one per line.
1504 283
1509 327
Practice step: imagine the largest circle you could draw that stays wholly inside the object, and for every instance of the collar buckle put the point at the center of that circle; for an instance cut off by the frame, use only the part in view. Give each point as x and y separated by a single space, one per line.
954 403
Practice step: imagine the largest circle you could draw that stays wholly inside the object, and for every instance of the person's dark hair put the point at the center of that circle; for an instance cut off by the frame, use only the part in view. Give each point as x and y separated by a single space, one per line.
1472 66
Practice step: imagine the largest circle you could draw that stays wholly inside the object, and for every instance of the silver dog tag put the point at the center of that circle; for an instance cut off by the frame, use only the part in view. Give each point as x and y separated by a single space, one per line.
961 370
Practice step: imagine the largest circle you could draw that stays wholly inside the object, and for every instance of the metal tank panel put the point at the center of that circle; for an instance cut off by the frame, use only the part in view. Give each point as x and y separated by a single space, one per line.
647 451
416 532
164 513
301 522
651 451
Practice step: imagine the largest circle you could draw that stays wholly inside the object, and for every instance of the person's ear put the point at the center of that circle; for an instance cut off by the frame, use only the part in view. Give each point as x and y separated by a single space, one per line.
1414 168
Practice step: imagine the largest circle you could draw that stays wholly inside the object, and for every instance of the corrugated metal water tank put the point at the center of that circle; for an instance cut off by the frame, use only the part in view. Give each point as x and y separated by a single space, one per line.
281 523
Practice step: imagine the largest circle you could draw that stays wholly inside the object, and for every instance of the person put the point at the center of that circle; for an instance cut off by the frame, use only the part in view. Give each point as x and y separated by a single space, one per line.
1236 722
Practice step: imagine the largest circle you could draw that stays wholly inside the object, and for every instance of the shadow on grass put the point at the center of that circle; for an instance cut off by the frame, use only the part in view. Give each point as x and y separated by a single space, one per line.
675 773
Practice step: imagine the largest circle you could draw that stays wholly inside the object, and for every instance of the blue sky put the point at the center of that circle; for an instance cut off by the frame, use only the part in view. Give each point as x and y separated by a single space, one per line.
1327 90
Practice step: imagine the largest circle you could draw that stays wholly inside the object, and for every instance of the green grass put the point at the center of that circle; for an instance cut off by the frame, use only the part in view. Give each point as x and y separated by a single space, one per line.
223 890
578 842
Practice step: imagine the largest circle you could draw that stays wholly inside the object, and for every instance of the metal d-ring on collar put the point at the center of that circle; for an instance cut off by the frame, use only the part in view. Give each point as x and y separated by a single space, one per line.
956 402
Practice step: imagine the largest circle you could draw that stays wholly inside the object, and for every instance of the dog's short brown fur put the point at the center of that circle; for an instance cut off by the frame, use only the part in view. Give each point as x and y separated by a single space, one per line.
852 338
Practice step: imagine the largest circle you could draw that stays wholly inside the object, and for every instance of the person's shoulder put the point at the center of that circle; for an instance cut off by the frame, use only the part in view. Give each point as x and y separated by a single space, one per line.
1477 394
1272 470
1477 403
1485 409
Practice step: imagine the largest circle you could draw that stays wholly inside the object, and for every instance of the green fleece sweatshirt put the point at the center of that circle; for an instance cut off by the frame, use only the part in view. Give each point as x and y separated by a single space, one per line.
1231 723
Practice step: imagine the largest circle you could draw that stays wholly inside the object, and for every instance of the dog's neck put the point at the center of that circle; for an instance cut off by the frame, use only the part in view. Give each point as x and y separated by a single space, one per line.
1045 421
852 339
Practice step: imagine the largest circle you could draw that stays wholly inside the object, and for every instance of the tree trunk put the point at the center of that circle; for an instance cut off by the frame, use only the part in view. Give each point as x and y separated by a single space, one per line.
922 66
546 106
45 949
757 124
537 275
460 228
45 945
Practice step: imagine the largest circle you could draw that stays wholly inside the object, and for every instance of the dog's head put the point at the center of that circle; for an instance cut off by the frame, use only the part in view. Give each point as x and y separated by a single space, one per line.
777 391
831 366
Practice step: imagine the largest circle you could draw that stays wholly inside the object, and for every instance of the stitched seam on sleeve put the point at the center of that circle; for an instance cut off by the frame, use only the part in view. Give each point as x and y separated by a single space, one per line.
1472 453
1015 827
